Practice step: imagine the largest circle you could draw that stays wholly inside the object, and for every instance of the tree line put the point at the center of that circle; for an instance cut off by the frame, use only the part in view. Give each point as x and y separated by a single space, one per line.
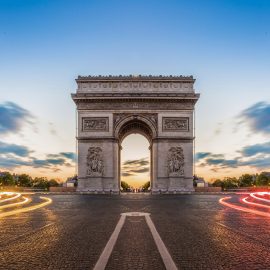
25 180
245 180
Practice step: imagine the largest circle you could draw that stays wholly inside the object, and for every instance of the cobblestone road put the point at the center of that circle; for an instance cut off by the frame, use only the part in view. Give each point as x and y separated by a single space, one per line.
72 232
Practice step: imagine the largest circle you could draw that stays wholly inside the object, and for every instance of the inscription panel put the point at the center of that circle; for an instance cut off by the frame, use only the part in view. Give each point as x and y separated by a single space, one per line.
95 124
175 124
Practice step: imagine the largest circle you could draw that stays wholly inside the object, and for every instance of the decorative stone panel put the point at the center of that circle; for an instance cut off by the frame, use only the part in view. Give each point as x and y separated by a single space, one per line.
175 124
95 124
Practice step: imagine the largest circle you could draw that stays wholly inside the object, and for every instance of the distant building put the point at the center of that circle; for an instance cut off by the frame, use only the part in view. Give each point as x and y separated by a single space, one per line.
200 182
71 182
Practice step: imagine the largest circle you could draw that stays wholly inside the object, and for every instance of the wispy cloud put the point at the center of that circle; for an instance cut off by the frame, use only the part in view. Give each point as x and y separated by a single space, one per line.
201 155
256 156
52 129
135 167
251 150
13 117
18 150
13 156
257 117
69 155
136 162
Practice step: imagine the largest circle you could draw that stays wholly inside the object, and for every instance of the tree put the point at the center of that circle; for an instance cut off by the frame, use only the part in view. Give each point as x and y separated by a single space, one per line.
262 180
125 186
24 180
146 186
230 182
246 180
53 183
7 179
41 182
218 183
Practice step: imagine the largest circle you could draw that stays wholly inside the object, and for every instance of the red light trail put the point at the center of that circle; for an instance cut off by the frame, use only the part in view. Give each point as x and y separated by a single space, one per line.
254 195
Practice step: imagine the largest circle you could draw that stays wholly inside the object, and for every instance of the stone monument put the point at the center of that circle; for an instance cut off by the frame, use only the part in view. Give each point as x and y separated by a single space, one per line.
109 108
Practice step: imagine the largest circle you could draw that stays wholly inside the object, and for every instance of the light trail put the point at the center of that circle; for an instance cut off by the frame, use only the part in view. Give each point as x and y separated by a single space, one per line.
17 195
256 204
27 209
240 208
14 204
261 194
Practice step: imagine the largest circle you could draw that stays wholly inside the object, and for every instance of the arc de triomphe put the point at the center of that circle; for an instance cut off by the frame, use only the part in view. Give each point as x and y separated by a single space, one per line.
112 107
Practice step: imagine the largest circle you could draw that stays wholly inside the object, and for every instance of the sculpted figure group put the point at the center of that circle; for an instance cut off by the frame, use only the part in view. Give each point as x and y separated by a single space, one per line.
176 161
94 161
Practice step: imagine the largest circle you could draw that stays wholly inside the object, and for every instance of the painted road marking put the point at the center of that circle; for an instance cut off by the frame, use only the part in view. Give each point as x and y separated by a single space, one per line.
164 253
105 255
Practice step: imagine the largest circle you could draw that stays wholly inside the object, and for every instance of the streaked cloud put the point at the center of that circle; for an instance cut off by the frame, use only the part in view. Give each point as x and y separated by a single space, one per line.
18 150
251 150
135 167
136 162
13 117
13 156
256 156
257 117
201 155
69 155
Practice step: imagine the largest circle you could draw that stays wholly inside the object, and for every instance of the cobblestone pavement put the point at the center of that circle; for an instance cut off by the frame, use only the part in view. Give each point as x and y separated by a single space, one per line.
71 233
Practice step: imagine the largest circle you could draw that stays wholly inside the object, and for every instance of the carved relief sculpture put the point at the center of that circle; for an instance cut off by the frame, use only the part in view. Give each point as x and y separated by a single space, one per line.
175 124
176 161
95 164
95 124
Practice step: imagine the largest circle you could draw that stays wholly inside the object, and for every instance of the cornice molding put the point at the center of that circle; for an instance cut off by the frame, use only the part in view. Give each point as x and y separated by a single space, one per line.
136 78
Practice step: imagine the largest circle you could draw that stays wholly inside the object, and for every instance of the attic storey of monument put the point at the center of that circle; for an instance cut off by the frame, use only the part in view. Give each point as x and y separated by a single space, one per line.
112 107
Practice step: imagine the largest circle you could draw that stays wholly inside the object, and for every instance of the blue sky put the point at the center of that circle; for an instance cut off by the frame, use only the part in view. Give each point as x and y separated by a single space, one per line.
225 45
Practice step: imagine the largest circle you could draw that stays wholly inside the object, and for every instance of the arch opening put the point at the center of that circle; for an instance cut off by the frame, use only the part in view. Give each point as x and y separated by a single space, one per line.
135 126
135 163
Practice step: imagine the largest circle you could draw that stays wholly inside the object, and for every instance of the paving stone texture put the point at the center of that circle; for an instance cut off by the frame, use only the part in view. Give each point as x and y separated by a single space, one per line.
72 232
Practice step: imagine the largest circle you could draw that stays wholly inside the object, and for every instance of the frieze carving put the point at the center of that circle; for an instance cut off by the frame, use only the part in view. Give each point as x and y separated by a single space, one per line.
95 124
136 86
175 162
175 123
95 164
172 104
118 117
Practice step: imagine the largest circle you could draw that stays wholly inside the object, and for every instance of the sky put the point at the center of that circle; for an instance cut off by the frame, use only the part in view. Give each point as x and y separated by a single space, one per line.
45 45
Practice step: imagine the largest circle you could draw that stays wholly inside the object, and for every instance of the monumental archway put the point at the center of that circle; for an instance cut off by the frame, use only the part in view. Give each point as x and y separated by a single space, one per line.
112 107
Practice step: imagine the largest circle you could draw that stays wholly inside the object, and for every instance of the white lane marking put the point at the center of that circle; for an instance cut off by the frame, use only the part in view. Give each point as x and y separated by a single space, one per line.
105 255
164 253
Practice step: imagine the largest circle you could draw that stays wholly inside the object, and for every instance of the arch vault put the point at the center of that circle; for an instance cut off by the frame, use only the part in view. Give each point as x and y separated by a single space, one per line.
112 107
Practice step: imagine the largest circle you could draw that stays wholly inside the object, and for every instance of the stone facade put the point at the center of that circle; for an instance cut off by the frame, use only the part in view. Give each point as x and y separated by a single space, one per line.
112 107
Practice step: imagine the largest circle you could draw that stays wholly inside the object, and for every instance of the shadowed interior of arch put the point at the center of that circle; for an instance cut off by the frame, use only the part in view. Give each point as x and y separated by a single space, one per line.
135 160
